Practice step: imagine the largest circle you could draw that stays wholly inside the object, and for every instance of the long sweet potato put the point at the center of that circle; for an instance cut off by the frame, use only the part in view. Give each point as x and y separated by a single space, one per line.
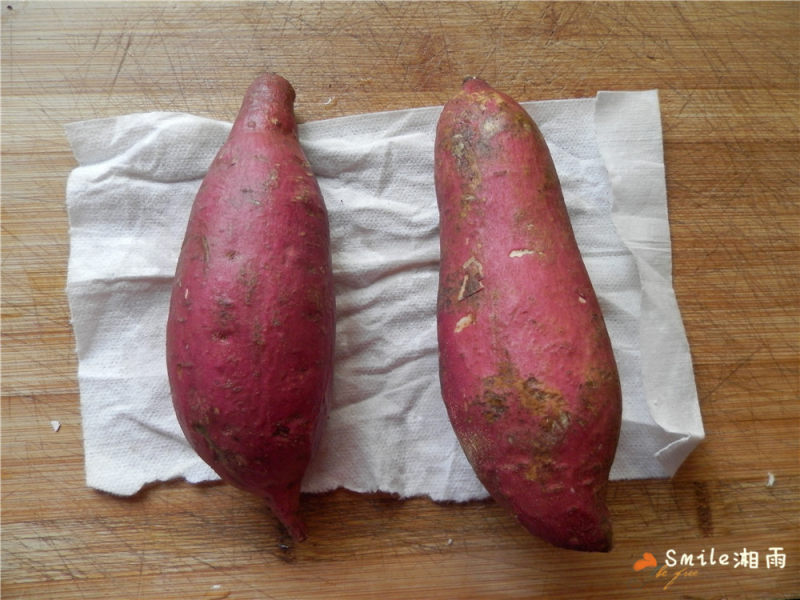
527 371
251 325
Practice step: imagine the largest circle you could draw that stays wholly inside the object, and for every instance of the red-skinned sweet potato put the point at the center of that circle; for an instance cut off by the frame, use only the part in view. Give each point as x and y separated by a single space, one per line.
251 327
527 371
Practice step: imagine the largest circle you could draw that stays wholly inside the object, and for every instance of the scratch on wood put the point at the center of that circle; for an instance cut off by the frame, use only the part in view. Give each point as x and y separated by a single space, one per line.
122 61
702 499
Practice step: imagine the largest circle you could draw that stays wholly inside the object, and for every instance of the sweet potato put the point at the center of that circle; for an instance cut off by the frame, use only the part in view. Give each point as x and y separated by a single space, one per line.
251 327
526 366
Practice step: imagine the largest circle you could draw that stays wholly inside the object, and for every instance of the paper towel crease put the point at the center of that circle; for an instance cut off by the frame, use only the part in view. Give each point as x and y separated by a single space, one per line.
128 201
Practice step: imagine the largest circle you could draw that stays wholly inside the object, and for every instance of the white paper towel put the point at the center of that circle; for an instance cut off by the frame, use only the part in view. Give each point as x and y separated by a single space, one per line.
128 202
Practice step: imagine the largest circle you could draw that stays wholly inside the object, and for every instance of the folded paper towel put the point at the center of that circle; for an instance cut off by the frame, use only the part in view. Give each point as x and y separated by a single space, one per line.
128 202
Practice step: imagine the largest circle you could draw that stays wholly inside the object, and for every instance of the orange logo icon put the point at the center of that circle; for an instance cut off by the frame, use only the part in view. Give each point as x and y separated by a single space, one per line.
647 560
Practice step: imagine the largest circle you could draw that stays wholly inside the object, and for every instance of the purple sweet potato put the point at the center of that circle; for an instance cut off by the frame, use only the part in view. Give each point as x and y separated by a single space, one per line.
251 327
527 371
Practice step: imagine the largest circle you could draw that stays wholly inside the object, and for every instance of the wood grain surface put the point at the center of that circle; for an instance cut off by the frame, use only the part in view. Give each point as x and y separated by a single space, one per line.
729 87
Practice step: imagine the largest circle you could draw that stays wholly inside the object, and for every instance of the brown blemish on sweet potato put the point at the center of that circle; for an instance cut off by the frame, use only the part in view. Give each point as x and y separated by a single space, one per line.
542 401
471 282
315 305
230 385
249 280
271 181
249 195
180 367
281 430
257 336
546 405
540 468
206 250
224 319
225 457
494 405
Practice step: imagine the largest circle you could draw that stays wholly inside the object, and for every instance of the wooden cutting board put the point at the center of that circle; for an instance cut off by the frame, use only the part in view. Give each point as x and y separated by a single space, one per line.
727 74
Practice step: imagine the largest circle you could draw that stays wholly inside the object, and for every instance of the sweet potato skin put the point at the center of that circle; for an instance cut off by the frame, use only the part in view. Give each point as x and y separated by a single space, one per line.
250 331
526 366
